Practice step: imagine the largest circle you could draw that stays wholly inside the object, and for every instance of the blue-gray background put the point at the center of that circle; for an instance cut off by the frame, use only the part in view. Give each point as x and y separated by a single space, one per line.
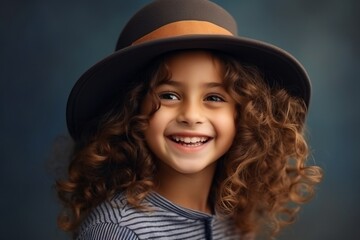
45 45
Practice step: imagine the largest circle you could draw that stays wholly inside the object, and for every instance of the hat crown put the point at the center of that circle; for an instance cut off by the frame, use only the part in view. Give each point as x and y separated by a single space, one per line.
162 12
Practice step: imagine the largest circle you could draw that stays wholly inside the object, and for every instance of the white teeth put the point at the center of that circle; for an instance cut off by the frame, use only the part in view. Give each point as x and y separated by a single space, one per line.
189 139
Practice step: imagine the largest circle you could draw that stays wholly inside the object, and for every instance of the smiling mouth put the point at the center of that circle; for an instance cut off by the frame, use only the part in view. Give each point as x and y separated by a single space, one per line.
190 141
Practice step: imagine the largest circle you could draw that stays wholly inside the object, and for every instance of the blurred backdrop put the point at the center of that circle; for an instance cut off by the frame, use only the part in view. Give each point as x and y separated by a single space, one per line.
45 45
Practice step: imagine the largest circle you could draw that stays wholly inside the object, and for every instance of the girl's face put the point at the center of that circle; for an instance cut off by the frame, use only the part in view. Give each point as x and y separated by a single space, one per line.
195 124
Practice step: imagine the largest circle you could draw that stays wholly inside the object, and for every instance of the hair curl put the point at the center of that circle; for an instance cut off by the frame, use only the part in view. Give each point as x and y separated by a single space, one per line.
259 182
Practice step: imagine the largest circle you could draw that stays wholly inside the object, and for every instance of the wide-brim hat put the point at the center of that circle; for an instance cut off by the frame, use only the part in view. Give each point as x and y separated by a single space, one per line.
169 25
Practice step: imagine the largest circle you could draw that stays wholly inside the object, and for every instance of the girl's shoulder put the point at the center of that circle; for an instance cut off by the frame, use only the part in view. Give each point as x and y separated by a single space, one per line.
113 210
108 220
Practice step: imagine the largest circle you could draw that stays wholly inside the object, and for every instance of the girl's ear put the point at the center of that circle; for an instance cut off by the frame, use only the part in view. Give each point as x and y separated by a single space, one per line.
150 103
146 104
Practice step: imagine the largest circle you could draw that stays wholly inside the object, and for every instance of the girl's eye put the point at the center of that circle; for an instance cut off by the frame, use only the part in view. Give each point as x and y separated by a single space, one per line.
168 96
214 98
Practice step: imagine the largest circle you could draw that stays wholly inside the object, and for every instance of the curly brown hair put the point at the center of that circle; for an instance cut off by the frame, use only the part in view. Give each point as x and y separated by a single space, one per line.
260 182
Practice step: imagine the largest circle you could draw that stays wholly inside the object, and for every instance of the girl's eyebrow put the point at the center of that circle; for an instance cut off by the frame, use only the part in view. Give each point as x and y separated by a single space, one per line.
205 85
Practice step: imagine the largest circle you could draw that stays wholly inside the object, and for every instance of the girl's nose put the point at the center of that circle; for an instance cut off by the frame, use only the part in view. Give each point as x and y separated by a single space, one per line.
190 113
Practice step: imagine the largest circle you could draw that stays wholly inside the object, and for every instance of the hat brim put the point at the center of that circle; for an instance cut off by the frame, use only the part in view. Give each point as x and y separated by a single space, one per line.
98 86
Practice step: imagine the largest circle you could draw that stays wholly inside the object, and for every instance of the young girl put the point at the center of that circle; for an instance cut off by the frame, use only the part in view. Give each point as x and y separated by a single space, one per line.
187 131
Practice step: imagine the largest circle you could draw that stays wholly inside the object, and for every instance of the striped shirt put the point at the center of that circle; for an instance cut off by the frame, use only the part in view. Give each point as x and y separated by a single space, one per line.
161 219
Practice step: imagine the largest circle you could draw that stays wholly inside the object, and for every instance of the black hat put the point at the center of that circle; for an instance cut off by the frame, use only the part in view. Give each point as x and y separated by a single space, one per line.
168 25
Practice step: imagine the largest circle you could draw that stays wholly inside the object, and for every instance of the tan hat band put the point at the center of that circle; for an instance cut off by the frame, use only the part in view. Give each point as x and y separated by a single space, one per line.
181 28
